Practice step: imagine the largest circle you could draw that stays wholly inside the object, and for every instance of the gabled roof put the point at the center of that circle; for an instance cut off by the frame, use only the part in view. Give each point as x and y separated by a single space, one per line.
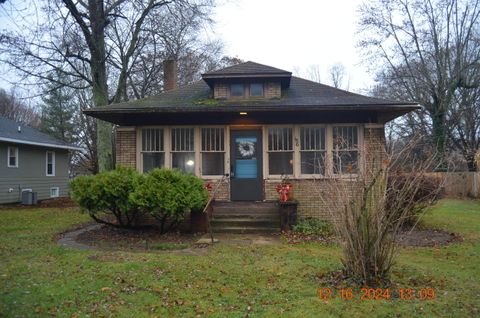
10 132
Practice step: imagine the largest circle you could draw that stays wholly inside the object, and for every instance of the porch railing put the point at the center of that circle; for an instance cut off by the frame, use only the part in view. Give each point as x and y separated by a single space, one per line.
210 201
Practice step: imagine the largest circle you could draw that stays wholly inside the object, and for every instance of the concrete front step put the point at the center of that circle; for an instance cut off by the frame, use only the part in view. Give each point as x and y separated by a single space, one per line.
245 207
245 222
246 230
245 217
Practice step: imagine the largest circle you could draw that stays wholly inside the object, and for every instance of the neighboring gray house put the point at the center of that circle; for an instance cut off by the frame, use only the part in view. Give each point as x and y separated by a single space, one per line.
31 161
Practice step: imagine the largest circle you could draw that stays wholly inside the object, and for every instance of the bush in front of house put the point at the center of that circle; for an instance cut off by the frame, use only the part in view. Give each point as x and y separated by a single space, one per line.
120 196
413 193
313 226
106 197
168 195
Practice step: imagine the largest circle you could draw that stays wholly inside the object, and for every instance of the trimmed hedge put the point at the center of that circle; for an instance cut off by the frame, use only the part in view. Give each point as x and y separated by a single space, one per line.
120 196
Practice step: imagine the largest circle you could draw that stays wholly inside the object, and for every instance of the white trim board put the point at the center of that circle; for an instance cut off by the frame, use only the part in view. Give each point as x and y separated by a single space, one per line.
33 143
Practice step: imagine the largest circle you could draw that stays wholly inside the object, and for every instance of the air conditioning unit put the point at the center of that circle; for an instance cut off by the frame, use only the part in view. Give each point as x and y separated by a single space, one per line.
29 197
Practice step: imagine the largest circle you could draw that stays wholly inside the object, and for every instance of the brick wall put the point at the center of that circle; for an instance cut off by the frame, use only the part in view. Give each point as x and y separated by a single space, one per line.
220 90
126 147
309 193
223 192
273 90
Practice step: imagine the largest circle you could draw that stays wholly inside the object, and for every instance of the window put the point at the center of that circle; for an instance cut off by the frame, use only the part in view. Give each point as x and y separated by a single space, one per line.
12 160
256 90
153 154
280 151
54 192
213 151
236 90
50 163
312 150
345 149
183 151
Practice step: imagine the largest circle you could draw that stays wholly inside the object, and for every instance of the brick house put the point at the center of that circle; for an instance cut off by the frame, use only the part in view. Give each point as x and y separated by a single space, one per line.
258 124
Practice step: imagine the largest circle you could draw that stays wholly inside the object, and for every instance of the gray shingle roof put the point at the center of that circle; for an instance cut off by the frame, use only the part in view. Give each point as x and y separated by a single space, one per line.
9 132
248 68
301 94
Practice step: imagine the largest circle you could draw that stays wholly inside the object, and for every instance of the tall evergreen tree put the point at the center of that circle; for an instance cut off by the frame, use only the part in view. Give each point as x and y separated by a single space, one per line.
58 112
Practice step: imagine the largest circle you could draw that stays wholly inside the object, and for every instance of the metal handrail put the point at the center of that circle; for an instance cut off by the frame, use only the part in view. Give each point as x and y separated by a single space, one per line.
210 200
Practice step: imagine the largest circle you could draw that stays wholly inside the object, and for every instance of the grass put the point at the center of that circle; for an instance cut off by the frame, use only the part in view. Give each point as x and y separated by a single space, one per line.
38 278
164 246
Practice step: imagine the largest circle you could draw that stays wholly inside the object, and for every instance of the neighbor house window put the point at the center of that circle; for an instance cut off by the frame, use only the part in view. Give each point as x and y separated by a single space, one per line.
345 149
213 151
236 90
280 151
50 163
54 192
312 150
12 157
183 151
256 90
153 153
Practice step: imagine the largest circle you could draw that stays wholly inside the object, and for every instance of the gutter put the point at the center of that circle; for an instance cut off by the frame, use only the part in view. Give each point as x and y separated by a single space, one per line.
33 143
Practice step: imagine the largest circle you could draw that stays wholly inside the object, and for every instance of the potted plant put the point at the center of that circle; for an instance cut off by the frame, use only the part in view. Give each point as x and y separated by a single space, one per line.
287 204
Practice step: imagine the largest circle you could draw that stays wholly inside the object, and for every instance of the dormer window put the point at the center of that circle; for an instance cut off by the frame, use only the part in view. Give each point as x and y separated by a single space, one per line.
256 90
237 90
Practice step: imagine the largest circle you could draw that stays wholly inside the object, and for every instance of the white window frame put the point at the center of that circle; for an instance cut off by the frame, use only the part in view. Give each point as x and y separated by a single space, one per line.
267 152
359 155
53 163
8 157
56 189
140 146
328 152
226 136
299 150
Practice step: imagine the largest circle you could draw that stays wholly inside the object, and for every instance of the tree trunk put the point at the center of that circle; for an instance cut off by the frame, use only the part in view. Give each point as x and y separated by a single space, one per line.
99 79
439 138
471 162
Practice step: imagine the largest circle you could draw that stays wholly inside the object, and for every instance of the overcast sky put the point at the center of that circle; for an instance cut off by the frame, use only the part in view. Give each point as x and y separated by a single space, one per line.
293 35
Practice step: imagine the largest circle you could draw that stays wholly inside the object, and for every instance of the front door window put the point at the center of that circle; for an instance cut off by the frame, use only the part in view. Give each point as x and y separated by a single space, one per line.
245 157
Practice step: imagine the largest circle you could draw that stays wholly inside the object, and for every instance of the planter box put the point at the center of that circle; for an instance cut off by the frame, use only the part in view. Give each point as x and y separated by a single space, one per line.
288 214
199 221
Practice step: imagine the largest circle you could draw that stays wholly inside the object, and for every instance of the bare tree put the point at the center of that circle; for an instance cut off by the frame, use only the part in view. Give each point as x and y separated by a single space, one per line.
13 108
337 74
368 211
426 48
314 73
96 43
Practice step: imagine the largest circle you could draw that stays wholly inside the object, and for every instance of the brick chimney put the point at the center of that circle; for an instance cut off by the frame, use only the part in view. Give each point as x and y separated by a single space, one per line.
169 74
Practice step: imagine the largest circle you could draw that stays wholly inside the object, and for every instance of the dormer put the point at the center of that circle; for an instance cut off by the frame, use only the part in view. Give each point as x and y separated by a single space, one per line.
248 81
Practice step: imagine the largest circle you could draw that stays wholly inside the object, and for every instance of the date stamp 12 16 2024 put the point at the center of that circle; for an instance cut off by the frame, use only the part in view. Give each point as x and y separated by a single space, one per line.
328 294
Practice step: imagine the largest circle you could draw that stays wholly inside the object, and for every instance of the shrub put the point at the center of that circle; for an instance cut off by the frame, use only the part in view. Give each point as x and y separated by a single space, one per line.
108 194
402 195
168 195
312 226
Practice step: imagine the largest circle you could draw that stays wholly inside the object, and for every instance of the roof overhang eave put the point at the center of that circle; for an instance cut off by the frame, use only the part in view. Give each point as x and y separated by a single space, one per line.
41 144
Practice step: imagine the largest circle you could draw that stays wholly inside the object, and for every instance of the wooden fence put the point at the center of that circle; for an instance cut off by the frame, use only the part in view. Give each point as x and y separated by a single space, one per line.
459 184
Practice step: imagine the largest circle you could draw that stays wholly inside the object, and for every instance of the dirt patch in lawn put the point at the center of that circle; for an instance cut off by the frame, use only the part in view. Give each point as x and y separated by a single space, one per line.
49 203
110 238
421 237
297 237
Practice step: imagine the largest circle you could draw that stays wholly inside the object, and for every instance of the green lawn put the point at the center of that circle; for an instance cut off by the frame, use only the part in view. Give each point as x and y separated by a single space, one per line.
39 278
